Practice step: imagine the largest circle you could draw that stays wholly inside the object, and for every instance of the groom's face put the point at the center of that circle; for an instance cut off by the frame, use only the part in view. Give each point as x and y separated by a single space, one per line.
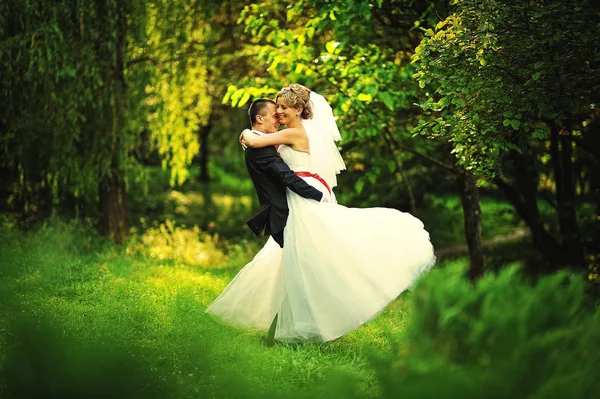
270 119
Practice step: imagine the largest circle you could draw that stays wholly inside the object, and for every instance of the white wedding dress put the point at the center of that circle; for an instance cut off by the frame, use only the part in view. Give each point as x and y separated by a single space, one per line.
338 269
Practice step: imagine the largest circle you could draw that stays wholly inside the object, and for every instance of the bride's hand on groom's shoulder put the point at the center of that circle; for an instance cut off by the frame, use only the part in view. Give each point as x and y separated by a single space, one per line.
242 140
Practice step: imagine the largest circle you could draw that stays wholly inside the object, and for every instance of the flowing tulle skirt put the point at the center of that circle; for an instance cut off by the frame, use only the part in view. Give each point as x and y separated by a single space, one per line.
340 267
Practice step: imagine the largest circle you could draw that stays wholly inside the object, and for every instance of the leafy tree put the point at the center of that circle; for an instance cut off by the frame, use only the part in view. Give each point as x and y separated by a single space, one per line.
87 84
514 82
221 46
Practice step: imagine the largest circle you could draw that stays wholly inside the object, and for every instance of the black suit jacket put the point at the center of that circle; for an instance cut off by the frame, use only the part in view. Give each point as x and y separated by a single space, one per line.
271 176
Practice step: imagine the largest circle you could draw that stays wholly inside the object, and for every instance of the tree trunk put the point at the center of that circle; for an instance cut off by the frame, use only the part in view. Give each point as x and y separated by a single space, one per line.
523 197
471 204
411 196
112 190
561 149
591 137
113 206
526 206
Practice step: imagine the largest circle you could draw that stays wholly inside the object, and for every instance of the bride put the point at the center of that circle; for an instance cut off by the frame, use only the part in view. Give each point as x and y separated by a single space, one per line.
339 266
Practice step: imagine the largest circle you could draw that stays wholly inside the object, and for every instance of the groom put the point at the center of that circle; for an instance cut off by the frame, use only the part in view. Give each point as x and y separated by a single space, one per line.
271 175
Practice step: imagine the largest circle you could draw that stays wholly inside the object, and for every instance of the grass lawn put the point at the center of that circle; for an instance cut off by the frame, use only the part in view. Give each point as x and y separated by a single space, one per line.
81 317
126 307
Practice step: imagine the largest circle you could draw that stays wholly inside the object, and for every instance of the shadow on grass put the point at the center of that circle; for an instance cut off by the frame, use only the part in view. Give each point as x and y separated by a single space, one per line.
40 362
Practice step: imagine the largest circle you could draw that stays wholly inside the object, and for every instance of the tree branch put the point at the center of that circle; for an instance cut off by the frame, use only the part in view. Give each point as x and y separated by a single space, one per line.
437 162
151 58
449 168
389 142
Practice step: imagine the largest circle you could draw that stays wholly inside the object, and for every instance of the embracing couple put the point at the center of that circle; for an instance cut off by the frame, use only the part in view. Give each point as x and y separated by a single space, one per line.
326 269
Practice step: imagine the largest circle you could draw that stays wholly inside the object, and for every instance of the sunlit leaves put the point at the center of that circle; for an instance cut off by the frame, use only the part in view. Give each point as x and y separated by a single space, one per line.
172 92
331 46
72 120
363 68
238 97
365 97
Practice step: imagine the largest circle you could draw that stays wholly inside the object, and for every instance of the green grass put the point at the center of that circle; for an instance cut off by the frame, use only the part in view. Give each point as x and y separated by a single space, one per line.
65 281
83 318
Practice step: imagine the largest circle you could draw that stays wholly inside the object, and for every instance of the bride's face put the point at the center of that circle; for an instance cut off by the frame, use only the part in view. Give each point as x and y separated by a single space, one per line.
286 113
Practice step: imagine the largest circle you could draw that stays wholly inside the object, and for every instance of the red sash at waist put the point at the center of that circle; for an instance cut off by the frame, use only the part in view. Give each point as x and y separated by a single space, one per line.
314 176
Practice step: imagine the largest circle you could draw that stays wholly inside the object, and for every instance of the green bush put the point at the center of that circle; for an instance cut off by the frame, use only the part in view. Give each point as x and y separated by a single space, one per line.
167 241
502 337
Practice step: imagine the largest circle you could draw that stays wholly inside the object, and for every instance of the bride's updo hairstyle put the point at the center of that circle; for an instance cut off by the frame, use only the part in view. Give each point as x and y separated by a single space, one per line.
297 96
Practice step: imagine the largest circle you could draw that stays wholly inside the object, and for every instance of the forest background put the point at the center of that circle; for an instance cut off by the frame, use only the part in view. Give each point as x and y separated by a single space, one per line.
124 194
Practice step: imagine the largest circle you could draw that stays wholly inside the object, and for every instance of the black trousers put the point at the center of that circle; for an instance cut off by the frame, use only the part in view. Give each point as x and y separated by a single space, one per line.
278 237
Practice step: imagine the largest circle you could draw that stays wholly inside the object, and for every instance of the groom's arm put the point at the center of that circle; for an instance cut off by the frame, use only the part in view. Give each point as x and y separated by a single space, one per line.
269 162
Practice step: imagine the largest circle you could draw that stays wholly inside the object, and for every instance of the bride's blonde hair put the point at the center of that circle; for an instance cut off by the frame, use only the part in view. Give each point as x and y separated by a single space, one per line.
297 96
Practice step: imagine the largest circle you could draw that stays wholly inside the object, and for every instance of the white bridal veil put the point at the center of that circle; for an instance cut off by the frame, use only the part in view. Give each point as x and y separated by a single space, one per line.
322 134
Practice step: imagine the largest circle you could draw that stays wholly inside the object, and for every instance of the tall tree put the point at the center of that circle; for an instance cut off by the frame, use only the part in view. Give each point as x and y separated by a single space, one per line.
516 85
82 83
224 40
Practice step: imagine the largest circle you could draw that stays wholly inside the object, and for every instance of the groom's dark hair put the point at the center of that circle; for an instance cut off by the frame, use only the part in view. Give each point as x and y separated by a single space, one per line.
257 108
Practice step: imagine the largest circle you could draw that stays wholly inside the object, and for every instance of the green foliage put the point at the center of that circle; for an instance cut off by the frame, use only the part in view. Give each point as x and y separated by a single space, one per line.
58 92
90 87
168 77
500 72
63 367
363 70
503 337
185 246
443 218
219 207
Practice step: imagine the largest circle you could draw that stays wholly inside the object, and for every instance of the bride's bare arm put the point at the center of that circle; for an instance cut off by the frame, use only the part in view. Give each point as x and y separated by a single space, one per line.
292 137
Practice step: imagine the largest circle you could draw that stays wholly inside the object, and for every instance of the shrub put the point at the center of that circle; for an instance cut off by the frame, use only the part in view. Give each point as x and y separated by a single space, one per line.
166 241
502 337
